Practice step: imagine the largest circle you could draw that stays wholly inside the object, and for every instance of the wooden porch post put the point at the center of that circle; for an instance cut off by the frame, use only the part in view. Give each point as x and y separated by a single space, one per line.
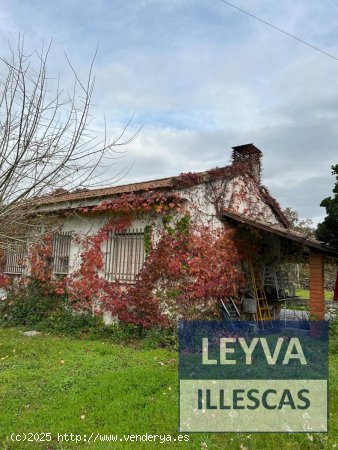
317 301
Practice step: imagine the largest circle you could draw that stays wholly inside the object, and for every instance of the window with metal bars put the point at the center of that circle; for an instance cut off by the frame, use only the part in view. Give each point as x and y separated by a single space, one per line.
60 253
124 256
15 253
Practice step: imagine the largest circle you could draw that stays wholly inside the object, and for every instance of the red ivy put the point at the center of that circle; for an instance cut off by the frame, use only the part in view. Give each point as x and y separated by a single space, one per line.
132 203
183 276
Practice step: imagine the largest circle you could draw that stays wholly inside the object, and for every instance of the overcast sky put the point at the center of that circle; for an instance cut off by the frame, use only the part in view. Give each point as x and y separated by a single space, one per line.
201 77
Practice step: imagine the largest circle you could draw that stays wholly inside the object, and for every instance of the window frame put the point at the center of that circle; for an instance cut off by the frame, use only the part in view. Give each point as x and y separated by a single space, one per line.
18 250
61 246
124 255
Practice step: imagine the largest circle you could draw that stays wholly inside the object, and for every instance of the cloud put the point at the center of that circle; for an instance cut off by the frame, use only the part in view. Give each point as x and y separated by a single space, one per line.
200 78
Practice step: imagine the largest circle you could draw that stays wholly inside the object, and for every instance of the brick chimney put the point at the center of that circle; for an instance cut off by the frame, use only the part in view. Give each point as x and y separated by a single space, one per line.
250 156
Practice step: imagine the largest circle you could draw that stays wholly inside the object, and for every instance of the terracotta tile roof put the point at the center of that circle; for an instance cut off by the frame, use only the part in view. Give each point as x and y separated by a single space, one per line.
174 182
64 196
61 195
275 206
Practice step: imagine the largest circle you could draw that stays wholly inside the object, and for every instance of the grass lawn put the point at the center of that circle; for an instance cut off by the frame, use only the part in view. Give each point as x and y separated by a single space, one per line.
305 293
62 385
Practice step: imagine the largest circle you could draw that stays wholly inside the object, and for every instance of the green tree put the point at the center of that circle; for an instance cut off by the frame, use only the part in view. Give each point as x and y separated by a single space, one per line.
327 231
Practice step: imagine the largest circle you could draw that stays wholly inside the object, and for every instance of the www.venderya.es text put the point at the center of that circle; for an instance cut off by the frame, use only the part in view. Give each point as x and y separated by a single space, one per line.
97 437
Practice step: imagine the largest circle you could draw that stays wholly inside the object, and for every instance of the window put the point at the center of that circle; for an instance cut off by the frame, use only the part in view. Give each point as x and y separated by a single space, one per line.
14 256
60 253
124 255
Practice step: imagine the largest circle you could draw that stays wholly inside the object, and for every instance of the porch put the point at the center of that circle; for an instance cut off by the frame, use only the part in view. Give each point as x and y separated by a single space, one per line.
277 245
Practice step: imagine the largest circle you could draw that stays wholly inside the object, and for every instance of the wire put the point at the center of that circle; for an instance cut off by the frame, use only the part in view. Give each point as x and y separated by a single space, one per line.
279 29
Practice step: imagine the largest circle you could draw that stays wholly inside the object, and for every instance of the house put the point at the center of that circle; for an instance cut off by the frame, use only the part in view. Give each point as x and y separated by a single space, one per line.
231 195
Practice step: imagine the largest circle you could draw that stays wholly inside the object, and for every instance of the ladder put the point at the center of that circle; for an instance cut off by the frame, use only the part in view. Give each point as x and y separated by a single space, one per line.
273 278
257 289
230 311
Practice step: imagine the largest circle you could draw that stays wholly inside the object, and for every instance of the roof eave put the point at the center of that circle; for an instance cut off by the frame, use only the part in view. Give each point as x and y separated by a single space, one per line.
285 233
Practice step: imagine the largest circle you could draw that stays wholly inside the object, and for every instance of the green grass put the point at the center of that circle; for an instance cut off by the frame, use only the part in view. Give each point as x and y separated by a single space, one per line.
305 293
47 383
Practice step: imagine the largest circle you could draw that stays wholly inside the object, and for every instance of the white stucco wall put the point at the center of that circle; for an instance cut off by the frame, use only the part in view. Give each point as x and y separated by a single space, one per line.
248 200
240 194
88 225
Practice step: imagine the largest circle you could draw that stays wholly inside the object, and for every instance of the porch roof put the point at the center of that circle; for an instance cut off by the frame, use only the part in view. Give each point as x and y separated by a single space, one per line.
286 233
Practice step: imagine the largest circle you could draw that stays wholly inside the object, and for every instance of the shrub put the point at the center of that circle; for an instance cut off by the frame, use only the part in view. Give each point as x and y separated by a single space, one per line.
70 323
29 305
160 337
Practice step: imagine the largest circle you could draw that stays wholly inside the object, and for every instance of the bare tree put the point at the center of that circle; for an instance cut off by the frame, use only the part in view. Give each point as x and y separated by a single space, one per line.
45 140
303 226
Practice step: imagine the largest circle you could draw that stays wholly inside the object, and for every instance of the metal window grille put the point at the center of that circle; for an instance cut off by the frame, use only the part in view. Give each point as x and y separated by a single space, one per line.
125 255
14 256
61 252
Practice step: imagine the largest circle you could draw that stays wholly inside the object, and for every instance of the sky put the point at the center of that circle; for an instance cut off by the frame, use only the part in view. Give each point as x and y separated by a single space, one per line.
200 77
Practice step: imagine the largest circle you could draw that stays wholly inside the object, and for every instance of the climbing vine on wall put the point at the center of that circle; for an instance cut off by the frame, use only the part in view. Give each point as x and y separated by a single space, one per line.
189 268
189 265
